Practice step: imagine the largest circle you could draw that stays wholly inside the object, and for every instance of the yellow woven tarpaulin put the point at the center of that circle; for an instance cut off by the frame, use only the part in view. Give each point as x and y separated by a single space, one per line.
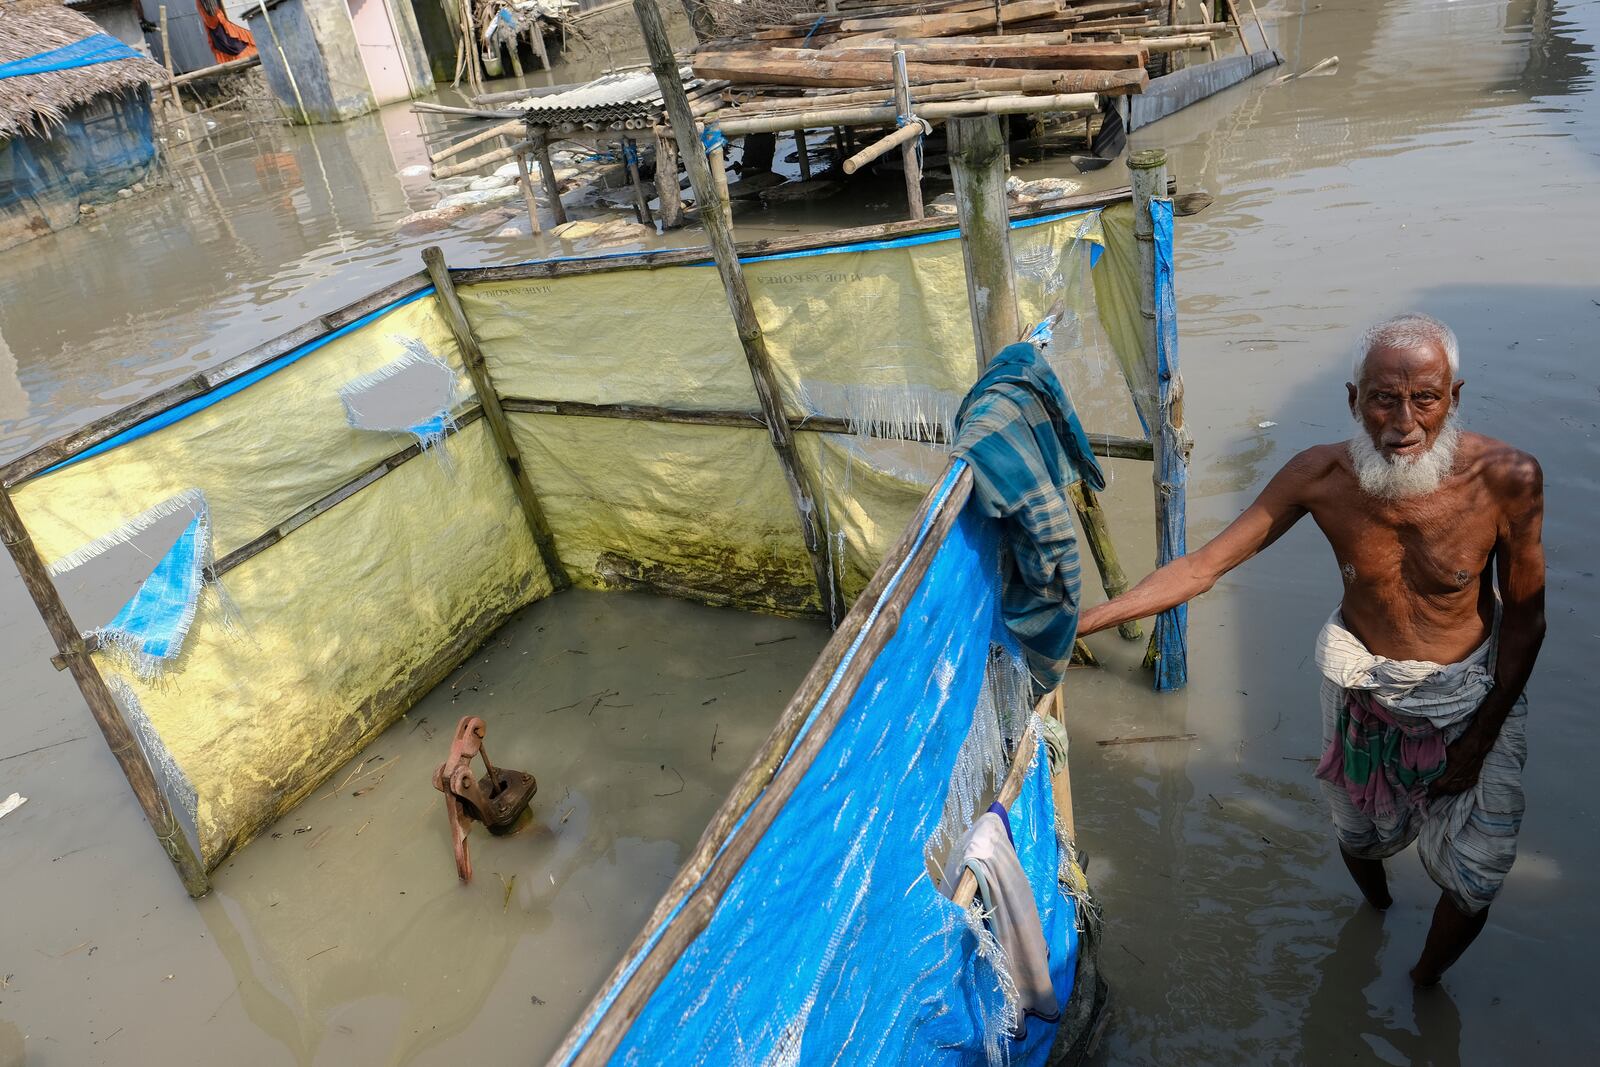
351 615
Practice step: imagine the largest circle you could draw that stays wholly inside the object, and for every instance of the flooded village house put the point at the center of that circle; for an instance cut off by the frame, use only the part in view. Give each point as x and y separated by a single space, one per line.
75 118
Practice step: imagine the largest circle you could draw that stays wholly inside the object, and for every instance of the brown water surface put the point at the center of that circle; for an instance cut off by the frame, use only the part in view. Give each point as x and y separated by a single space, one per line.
1449 165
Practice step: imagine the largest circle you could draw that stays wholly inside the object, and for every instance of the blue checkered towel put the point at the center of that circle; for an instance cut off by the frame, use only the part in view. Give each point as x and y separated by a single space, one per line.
1022 437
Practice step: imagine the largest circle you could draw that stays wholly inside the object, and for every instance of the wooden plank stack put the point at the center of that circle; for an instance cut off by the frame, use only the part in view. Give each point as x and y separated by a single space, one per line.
1085 46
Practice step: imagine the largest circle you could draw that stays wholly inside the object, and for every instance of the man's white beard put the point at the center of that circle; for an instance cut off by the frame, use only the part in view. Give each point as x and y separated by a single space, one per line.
1402 476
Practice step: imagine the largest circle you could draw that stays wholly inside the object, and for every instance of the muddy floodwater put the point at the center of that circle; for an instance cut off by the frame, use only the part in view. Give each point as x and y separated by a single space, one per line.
1450 165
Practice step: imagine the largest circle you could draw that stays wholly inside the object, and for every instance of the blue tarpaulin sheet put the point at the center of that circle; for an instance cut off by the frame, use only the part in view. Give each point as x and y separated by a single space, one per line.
150 629
832 944
96 48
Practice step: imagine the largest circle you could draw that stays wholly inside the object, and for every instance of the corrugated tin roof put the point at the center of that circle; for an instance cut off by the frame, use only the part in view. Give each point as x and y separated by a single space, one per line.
624 95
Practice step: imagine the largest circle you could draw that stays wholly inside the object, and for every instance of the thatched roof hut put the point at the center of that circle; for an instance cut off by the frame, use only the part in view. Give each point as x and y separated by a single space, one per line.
37 103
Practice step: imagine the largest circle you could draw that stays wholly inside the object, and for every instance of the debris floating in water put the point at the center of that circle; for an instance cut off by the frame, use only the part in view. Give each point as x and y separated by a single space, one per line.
1147 740
11 804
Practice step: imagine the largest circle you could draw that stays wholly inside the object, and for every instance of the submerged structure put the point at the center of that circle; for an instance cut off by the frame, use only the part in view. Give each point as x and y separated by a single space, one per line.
338 548
75 122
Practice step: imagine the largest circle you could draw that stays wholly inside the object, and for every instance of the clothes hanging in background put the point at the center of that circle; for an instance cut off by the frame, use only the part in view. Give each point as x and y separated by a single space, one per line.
228 40
1008 910
1020 433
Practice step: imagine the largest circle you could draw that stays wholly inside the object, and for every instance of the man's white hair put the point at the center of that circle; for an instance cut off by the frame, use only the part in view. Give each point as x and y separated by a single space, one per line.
1411 330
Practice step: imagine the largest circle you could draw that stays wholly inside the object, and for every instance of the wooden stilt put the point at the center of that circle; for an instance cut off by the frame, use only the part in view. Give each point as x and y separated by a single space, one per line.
909 156
641 200
69 643
667 190
527 193
1169 638
719 232
804 155
547 175
536 38
717 162
977 162
1061 777
1238 27
478 371
1097 531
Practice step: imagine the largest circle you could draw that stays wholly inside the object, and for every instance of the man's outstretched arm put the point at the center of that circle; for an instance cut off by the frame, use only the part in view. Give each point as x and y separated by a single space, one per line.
1280 506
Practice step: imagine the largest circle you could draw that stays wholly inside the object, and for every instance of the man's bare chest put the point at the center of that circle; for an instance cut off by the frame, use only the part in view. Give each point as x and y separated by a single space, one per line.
1436 549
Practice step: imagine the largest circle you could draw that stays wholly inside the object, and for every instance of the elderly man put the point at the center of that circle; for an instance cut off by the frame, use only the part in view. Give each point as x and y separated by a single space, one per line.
1436 534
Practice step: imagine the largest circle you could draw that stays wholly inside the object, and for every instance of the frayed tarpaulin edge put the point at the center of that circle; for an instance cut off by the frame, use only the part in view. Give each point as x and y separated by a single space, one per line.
177 784
436 427
900 412
192 500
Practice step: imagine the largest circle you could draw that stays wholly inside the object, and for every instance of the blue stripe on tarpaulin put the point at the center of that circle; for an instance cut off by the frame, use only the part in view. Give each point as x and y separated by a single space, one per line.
93 49
878 965
1172 473
151 626
228 388
939 494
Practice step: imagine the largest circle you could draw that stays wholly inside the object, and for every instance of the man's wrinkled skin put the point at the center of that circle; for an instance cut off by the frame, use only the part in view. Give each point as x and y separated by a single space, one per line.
1419 573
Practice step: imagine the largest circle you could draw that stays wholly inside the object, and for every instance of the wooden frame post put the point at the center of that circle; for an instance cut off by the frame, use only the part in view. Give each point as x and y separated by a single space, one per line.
493 413
1167 653
909 158
547 174
102 705
527 192
719 232
804 155
641 201
667 190
977 161
1097 531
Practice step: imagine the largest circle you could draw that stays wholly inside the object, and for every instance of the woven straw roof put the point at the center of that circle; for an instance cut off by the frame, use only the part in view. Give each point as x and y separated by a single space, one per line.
33 103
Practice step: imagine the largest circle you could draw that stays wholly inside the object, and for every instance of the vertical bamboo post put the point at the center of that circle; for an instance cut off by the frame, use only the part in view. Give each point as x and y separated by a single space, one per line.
641 202
719 232
547 174
166 60
1097 531
1061 777
536 38
804 154
493 413
527 191
299 101
977 162
1259 28
908 152
717 161
667 190
1238 28
102 705
1168 639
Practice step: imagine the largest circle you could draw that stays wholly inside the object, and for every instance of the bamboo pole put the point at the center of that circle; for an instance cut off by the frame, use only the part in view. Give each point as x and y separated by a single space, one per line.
527 193
166 59
977 163
206 72
1061 777
502 130
1097 531
878 115
1259 28
102 705
719 232
641 202
717 161
906 134
478 371
499 155
1238 27
294 85
667 189
1010 788
910 155
803 153
1168 639
547 175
